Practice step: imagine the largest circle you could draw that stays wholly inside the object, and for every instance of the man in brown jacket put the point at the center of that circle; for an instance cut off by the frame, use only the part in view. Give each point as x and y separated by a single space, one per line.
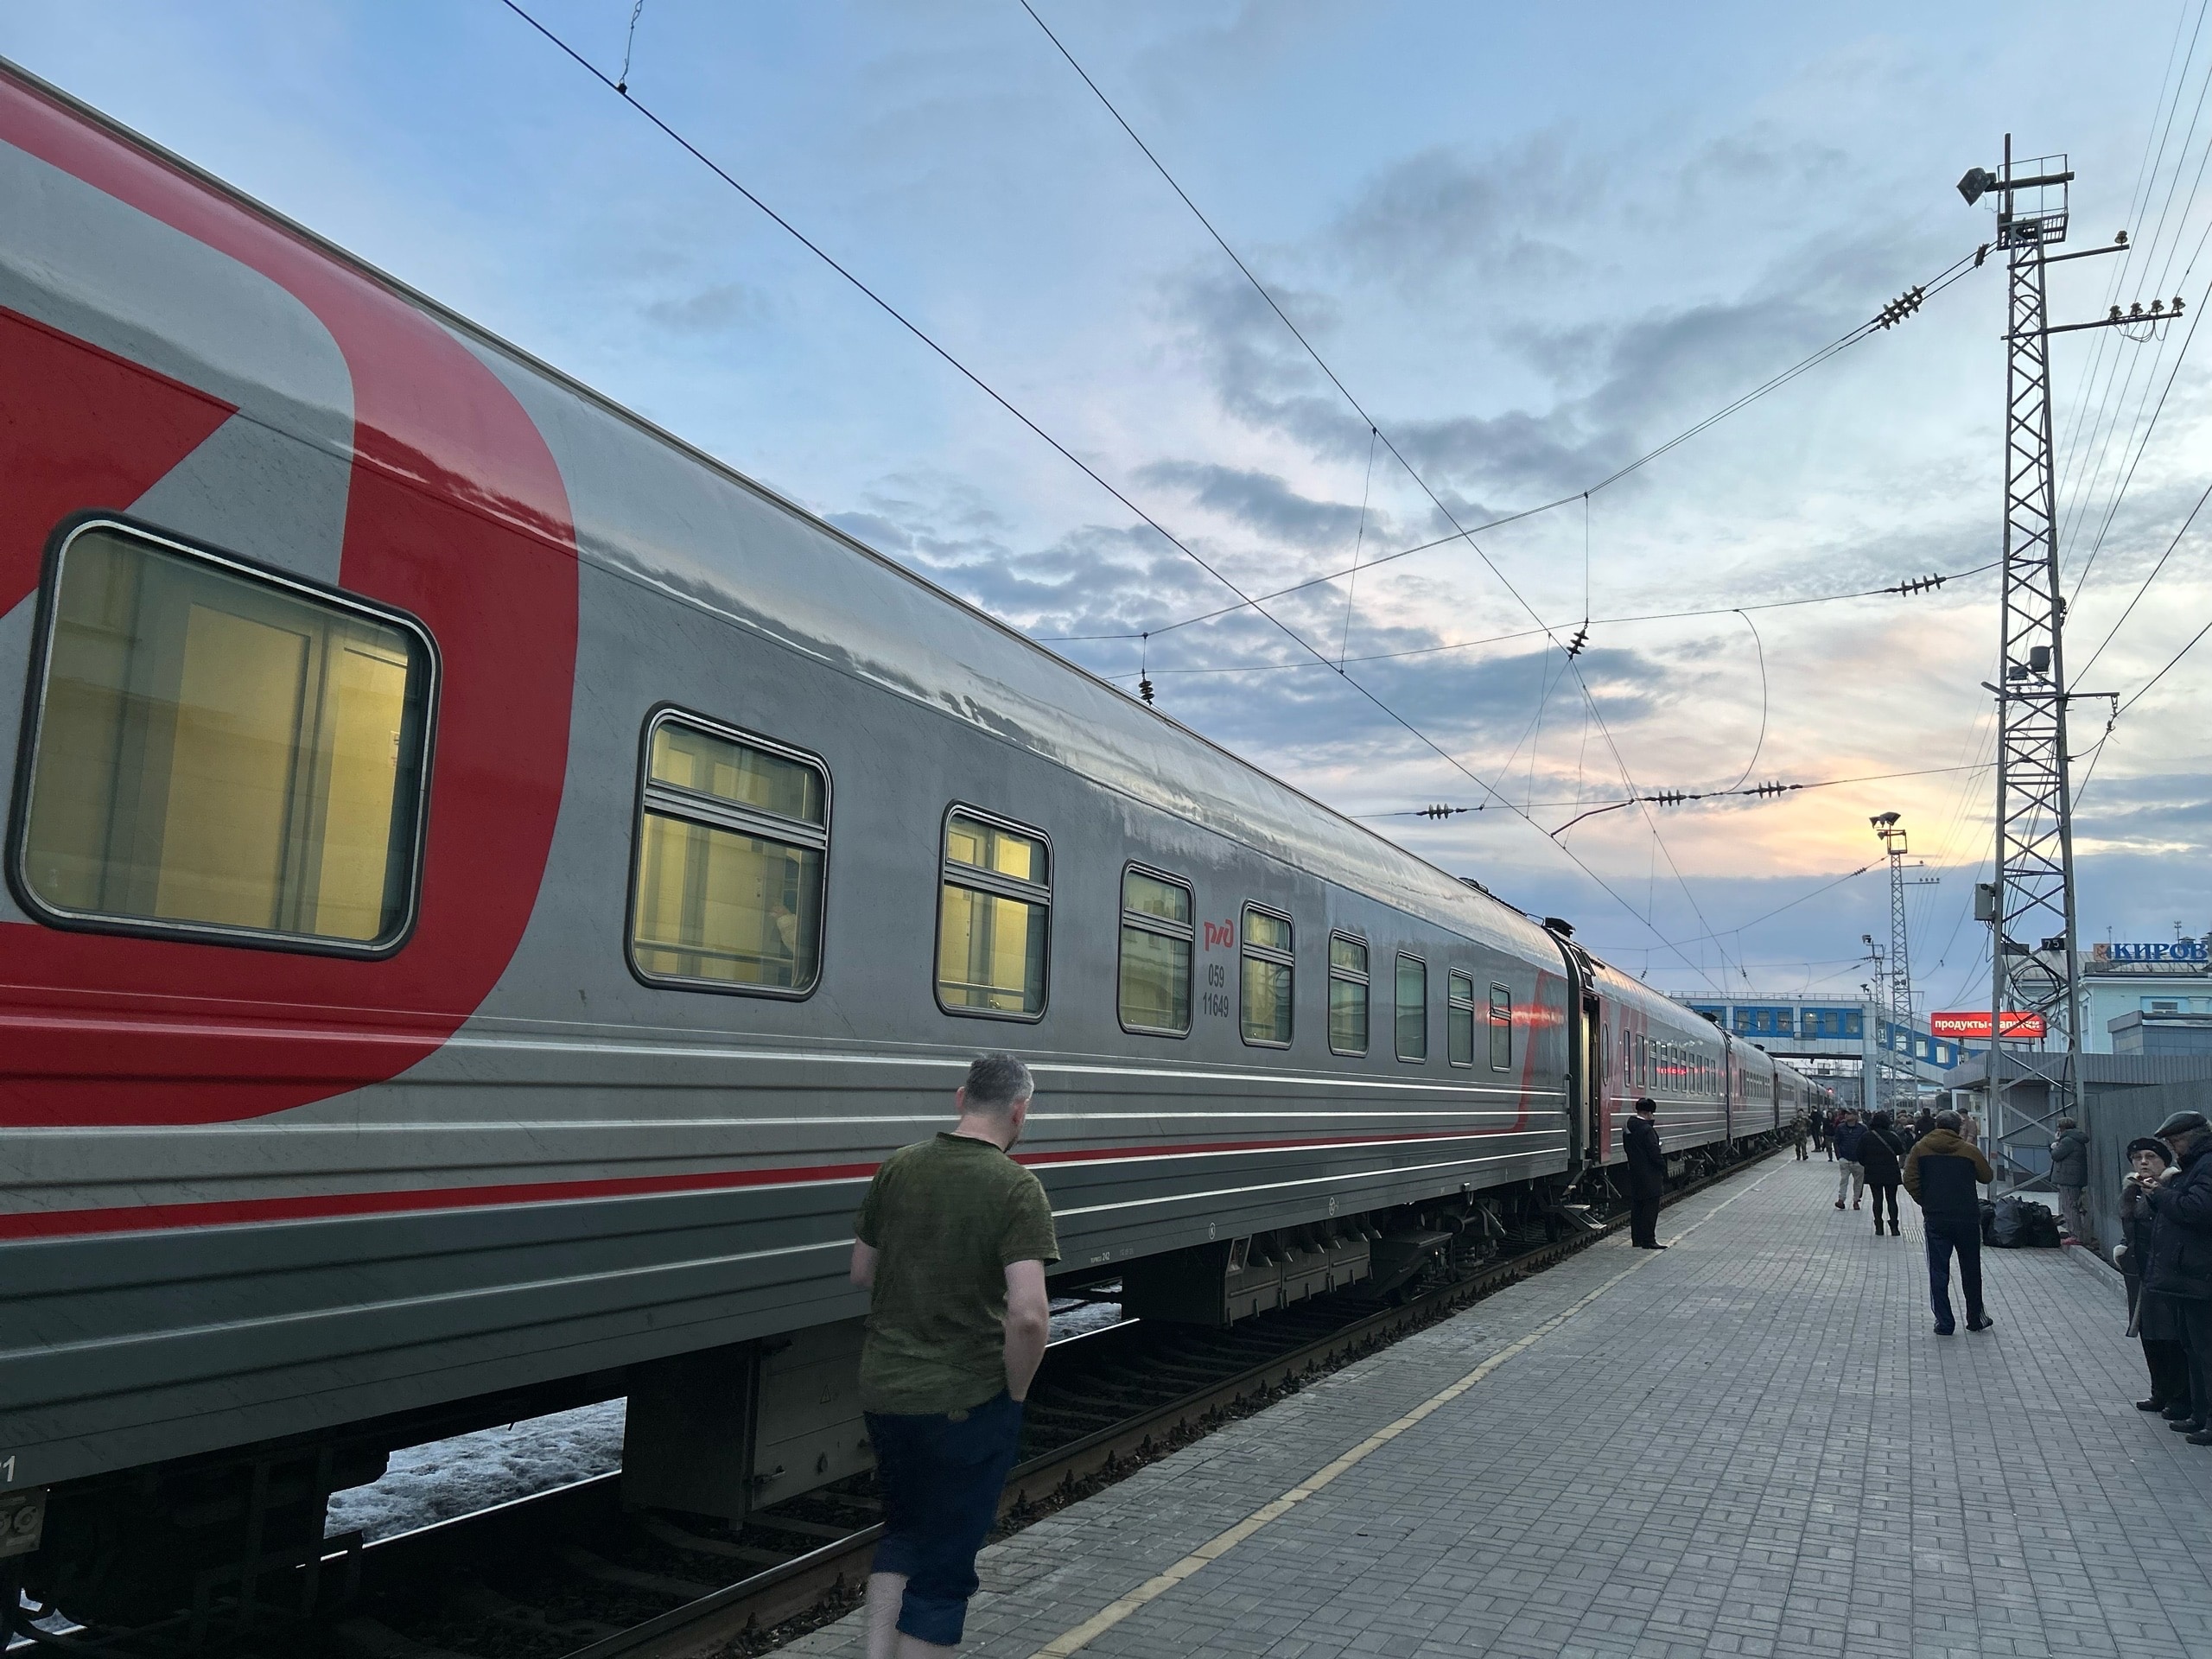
1941 1172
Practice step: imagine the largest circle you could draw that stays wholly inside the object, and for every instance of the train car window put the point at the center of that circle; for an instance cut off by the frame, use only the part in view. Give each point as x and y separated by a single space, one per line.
223 754
993 915
1413 1009
1266 978
733 844
1501 1029
1347 995
1156 941
1460 1019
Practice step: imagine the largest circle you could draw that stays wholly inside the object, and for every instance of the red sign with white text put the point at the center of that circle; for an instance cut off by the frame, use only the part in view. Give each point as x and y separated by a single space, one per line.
2020 1025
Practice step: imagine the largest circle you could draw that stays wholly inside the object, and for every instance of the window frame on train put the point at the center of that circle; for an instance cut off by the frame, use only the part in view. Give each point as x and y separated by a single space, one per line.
407 827
1250 956
976 878
1501 1027
1354 979
1155 926
719 815
1401 1010
1458 1018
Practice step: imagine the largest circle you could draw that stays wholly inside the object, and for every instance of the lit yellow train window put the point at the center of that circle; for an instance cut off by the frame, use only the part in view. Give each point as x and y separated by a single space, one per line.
220 753
732 845
1156 941
993 919
1267 972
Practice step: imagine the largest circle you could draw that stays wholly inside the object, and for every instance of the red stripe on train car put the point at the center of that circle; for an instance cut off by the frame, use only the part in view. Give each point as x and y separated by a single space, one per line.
233 1212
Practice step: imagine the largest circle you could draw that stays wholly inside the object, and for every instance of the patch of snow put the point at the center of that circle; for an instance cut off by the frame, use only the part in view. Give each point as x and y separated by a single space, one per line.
1072 1318
470 1473
446 1479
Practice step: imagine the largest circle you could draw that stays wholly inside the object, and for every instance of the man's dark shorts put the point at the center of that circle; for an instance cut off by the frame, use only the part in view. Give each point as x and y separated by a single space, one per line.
940 1476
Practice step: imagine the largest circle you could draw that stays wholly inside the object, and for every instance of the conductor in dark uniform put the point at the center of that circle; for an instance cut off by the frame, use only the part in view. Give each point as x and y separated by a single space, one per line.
1647 1174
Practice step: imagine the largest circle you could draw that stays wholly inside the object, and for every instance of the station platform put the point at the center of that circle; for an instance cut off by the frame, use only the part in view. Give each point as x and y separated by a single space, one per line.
1750 1443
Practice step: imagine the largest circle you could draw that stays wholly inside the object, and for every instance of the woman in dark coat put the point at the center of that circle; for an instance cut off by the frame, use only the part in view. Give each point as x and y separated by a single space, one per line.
1879 1149
2149 1315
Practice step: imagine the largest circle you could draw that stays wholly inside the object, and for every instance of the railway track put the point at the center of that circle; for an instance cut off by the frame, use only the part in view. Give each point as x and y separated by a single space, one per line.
1106 1403
568 1574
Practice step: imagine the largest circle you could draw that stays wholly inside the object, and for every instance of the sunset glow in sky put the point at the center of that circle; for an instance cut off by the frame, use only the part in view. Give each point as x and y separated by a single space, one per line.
1534 242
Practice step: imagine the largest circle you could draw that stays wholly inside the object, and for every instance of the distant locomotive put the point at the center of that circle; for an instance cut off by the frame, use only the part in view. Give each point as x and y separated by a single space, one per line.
487 882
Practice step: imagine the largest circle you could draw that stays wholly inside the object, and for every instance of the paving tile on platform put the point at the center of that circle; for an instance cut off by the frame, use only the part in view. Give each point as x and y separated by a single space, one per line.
1751 1444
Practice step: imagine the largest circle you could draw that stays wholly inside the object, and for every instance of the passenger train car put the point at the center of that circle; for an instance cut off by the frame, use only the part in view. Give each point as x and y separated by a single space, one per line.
487 883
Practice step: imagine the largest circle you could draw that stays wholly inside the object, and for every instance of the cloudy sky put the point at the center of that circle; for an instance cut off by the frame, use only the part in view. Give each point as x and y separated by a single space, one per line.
1534 243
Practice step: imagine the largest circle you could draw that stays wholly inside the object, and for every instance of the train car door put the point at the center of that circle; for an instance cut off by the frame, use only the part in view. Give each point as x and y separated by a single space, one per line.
1585 1053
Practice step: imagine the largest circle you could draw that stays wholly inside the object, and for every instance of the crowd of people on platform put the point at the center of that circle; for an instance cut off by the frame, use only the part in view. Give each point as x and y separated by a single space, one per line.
2165 1214
954 1236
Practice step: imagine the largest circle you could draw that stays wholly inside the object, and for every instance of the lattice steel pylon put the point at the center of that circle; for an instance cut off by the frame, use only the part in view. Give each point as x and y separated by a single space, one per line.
1876 1087
1902 1073
2030 905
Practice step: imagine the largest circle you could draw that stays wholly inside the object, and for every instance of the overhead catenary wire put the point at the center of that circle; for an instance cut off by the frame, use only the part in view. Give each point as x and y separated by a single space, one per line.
1913 586
2145 586
1758 747
1464 532
1891 315
2089 418
1881 321
1680 797
991 392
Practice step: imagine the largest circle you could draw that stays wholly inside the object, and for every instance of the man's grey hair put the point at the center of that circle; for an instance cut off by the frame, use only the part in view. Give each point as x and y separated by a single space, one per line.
997 1082
2068 1123
1949 1120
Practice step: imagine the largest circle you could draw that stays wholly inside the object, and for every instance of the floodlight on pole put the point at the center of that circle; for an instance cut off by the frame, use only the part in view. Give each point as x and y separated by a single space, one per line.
1890 826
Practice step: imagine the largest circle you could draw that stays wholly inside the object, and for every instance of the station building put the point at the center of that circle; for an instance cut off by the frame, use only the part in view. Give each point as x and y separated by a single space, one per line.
2149 998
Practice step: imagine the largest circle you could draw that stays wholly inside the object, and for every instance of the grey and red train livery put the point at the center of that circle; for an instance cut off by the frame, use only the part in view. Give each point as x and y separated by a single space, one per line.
486 882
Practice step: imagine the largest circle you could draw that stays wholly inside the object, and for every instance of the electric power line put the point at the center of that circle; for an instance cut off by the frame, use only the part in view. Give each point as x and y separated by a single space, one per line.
980 385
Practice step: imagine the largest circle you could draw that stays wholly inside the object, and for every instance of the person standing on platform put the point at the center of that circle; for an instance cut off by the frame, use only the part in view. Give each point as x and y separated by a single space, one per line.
1923 1124
1797 1135
1970 1127
2180 1268
2150 1317
1647 1174
1820 1130
2069 1173
1848 1172
952 1242
1879 1149
1941 1172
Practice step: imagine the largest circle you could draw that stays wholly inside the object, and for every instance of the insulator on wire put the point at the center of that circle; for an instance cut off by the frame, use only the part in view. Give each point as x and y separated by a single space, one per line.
1144 689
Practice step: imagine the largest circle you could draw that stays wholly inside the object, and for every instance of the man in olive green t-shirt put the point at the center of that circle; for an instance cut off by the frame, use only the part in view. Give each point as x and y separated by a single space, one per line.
952 1240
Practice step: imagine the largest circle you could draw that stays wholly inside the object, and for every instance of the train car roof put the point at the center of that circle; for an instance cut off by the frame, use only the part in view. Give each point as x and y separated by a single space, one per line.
994 676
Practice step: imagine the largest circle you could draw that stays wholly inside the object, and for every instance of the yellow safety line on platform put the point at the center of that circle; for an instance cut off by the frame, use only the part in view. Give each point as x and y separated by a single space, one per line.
1214 1548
